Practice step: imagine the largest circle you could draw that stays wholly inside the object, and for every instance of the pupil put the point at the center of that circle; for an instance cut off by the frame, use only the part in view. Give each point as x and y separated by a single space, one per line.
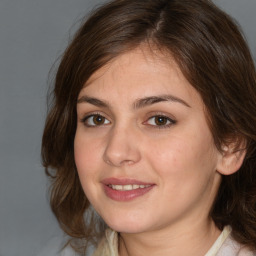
98 120
160 120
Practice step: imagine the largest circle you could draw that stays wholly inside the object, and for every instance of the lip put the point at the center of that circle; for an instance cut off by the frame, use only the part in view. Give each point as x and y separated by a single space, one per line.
129 195
124 181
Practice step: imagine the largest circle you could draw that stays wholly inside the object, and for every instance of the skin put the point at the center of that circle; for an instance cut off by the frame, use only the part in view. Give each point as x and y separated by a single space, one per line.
178 156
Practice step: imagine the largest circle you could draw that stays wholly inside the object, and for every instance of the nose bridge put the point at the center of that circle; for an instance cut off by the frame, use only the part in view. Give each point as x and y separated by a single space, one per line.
122 147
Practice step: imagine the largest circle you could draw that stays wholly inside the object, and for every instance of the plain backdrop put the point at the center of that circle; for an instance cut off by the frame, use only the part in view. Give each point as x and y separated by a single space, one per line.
33 34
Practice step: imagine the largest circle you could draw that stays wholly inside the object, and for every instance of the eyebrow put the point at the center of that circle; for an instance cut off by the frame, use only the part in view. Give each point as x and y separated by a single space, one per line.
139 103
143 102
93 101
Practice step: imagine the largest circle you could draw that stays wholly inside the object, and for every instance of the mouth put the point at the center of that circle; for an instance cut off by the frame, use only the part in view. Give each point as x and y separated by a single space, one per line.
125 189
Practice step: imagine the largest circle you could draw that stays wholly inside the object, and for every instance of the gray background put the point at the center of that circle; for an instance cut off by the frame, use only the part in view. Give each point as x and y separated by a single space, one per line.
33 33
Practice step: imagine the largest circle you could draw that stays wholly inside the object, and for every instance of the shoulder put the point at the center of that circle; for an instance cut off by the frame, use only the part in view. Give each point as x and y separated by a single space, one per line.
232 248
225 245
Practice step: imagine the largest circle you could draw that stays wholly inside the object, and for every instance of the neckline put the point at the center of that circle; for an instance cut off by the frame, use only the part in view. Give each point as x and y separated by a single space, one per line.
219 242
111 242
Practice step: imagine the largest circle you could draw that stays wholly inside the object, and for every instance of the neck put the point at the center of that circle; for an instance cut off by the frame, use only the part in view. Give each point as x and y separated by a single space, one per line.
190 240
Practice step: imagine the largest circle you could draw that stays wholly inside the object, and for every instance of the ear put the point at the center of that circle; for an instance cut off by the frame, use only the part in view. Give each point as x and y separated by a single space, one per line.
231 158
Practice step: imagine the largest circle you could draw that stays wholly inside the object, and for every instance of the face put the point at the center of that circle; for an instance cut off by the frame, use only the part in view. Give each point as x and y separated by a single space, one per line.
143 150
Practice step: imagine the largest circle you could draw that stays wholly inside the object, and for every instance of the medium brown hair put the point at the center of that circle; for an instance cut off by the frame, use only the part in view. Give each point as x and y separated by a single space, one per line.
213 56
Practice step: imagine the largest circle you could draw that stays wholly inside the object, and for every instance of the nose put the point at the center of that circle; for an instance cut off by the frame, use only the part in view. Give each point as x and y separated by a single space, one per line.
122 147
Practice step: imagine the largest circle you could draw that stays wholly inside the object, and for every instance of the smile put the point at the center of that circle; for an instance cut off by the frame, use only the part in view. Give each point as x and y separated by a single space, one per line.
128 187
125 189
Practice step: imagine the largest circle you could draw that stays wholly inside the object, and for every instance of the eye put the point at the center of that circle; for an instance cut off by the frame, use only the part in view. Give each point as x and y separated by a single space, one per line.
95 120
160 121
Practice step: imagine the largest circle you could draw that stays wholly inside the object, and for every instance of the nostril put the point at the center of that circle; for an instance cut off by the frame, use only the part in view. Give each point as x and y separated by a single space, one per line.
108 162
128 162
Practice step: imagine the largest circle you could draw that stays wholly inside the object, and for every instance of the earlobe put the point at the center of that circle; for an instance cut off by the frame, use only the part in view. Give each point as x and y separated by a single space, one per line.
231 160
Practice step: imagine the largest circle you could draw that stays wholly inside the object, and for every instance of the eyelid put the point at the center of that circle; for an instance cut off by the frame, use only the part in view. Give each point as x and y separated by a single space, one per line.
171 119
88 115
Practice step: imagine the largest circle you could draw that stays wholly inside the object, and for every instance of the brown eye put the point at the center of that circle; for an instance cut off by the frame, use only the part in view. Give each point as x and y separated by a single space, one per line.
160 121
98 120
95 120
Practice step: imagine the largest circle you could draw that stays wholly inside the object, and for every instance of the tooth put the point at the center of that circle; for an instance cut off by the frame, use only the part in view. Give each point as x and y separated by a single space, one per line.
117 187
127 187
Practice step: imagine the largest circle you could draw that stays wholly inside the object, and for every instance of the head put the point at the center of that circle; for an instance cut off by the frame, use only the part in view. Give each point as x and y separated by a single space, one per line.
208 50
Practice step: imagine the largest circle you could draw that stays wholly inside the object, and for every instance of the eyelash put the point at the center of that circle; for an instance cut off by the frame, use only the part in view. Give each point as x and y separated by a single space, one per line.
86 118
164 126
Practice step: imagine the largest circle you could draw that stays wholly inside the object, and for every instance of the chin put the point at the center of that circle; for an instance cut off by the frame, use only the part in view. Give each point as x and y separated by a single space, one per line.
128 229
127 225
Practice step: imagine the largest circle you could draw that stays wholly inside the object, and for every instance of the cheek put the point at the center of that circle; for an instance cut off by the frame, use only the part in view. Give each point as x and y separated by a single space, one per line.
183 155
86 153
186 170
86 156
168 156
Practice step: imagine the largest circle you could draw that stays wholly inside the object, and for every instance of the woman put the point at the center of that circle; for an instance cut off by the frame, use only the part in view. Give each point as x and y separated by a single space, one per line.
153 128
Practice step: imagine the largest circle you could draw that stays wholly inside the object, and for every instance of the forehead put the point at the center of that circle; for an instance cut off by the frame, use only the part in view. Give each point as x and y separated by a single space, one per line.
141 72
146 56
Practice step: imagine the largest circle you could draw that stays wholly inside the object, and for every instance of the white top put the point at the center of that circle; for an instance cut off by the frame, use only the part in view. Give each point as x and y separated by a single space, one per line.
225 245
